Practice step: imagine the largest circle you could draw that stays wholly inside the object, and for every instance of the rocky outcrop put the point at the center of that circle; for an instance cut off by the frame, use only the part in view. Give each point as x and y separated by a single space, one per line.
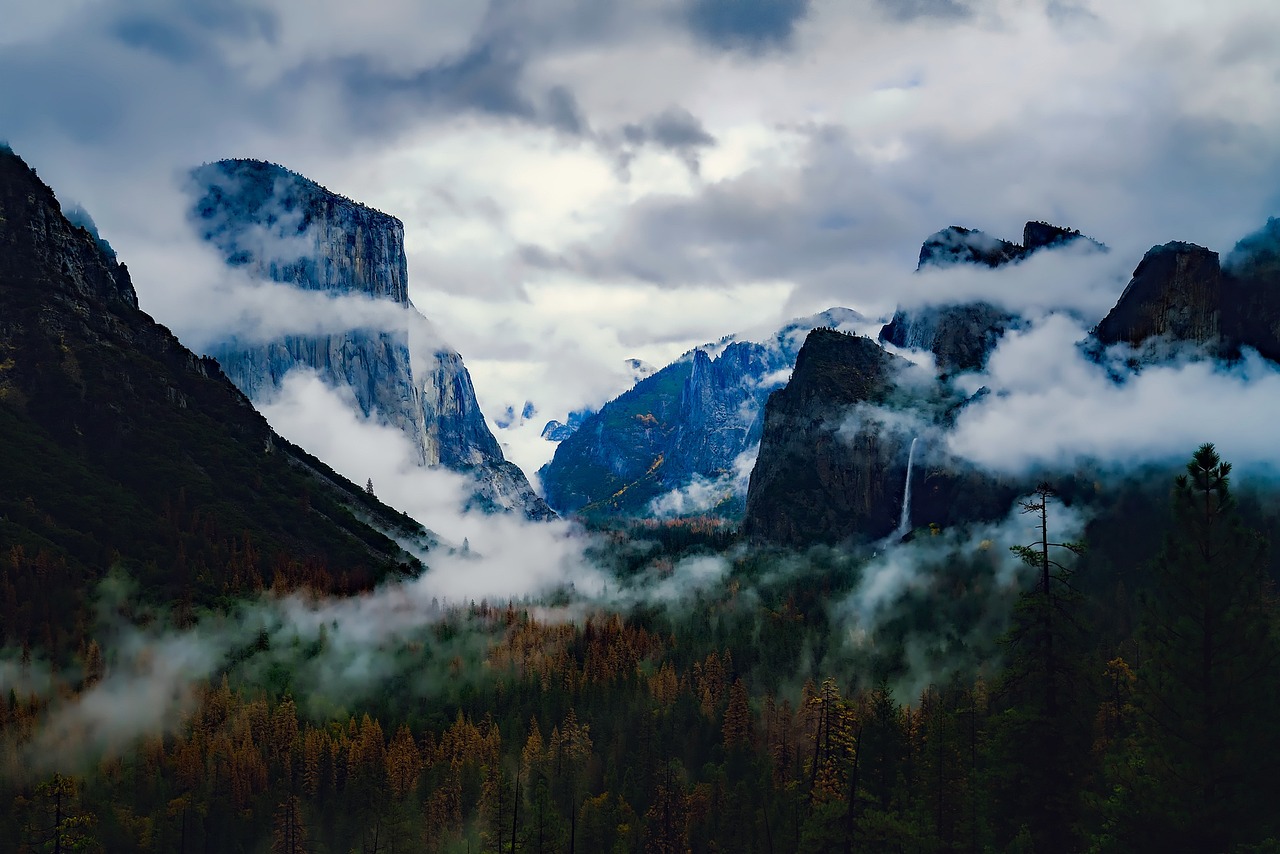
959 245
557 431
676 441
962 335
1251 282
123 447
1175 293
1182 295
284 228
811 482
835 449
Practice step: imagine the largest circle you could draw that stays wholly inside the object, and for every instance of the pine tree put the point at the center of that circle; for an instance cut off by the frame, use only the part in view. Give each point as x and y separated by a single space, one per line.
290 836
1043 727
55 819
1206 688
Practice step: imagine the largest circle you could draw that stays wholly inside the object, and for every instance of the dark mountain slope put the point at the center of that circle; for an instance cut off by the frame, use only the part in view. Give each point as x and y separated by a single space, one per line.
120 447
810 483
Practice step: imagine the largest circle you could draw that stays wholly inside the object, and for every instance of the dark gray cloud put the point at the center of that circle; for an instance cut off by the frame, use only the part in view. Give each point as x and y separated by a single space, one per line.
910 10
674 129
839 223
184 33
751 25
563 113
486 79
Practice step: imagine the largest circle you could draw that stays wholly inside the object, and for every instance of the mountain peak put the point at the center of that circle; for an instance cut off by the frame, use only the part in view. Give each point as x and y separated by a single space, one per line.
107 417
275 222
66 257
959 245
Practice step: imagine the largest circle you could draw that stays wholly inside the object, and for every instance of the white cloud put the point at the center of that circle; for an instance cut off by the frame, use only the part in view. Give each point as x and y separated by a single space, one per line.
1052 406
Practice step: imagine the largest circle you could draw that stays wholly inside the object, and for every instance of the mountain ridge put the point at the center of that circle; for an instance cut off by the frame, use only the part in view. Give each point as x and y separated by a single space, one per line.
124 448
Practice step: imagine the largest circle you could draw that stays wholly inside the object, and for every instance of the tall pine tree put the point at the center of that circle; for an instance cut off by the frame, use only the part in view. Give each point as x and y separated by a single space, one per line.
1207 681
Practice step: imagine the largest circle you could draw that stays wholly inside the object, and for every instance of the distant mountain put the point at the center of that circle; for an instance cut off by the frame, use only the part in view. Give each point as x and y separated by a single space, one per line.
1183 294
680 442
119 447
558 431
962 335
288 229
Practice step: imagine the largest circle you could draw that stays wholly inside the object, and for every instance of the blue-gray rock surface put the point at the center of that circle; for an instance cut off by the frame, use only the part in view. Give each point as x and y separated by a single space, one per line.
287 229
681 441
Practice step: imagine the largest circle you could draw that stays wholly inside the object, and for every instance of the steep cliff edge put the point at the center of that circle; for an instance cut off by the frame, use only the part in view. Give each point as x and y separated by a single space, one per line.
284 228
118 446
1175 293
1183 294
811 483
835 450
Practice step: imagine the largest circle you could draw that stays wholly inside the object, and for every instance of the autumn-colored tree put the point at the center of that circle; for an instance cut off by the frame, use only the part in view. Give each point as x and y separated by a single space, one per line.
737 718
666 821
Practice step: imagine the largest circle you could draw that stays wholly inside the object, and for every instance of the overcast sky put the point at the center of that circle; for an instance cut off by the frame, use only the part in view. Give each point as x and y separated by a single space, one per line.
583 181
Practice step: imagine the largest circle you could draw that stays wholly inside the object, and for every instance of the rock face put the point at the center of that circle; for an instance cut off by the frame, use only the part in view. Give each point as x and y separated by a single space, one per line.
831 469
122 446
962 335
1183 294
1175 293
811 483
959 245
1251 282
680 441
285 228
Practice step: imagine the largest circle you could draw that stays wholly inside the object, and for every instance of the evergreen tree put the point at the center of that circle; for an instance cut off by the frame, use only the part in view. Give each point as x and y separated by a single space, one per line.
56 821
1207 683
1042 729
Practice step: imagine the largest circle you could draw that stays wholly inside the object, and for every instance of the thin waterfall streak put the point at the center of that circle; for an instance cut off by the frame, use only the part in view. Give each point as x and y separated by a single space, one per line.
904 522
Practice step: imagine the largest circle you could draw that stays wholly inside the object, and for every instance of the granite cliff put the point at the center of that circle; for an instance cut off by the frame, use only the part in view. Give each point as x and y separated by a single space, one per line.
1183 294
284 228
835 450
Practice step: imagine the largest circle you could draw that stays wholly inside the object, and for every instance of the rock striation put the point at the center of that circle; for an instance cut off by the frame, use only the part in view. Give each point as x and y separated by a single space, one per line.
284 228
1184 295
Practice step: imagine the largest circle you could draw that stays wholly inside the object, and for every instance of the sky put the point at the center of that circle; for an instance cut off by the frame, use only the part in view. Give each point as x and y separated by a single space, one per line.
584 181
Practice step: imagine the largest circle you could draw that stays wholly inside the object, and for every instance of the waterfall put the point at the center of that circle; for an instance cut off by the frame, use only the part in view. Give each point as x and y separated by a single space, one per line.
904 523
